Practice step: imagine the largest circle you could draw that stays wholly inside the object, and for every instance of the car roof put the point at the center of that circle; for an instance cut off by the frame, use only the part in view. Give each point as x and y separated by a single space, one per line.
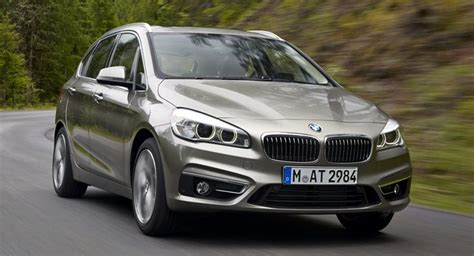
201 30
198 30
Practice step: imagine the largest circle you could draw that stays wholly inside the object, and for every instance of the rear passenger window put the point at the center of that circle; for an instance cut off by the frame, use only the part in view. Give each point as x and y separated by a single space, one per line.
124 53
99 57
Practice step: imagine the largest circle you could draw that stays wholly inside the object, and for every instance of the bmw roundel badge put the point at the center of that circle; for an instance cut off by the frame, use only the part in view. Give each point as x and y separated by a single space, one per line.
315 127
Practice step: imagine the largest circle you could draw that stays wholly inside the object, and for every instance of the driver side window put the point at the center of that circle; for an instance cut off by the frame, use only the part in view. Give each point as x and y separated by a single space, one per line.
124 54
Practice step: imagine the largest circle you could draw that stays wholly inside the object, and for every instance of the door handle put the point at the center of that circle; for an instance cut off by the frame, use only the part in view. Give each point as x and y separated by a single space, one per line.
98 97
71 90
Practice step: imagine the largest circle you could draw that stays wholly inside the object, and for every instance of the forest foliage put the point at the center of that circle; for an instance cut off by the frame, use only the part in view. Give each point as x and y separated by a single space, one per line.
413 58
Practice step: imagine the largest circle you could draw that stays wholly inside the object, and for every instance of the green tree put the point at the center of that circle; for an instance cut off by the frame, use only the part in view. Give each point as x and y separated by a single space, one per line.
16 87
55 36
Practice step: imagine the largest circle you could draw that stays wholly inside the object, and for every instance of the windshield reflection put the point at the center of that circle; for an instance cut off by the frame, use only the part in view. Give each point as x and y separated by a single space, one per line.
217 56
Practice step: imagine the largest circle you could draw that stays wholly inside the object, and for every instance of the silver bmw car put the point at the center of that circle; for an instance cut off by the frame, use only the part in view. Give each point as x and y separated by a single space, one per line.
183 119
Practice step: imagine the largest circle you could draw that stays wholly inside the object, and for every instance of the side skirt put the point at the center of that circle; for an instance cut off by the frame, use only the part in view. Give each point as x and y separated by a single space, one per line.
101 182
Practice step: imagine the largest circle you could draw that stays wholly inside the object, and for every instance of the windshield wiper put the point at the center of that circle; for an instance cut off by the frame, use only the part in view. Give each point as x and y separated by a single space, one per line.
233 78
262 78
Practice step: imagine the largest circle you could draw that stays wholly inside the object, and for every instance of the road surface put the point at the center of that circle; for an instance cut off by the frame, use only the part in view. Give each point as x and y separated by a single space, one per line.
34 221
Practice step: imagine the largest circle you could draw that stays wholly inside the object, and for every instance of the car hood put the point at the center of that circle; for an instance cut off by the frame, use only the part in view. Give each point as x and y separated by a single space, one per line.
269 100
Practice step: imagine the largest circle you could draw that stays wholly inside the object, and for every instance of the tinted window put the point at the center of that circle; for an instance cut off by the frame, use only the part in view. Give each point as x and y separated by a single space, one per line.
85 63
215 56
125 52
99 58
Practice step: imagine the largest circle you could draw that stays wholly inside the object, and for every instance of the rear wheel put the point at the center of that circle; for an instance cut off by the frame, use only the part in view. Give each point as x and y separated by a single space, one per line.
370 222
63 180
151 211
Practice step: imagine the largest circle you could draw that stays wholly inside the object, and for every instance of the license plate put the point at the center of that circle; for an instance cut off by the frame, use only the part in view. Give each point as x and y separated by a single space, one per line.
321 175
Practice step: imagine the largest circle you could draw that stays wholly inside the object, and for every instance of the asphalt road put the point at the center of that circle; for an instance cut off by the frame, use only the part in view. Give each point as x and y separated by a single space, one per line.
34 221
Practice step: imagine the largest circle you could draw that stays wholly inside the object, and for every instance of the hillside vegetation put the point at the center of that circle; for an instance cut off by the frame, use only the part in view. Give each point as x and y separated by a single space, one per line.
412 58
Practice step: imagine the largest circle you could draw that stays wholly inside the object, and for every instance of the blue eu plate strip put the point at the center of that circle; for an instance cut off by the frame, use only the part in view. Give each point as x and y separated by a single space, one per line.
287 175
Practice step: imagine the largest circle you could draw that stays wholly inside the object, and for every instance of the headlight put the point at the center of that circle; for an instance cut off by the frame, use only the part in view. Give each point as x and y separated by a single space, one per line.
195 126
391 136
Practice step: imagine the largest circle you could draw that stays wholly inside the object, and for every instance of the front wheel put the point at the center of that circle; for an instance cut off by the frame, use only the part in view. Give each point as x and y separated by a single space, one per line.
151 211
370 222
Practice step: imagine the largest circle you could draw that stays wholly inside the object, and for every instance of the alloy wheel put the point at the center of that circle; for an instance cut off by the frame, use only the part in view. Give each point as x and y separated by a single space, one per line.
144 186
59 161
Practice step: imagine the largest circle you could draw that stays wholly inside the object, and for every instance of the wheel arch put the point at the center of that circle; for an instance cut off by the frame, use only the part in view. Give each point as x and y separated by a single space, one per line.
58 127
143 134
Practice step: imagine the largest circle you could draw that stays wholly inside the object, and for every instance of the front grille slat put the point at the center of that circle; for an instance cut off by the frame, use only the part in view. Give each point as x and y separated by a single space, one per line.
310 147
271 147
359 148
338 151
333 149
293 148
348 149
298 149
277 147
353 151
344 152
306 149
288 145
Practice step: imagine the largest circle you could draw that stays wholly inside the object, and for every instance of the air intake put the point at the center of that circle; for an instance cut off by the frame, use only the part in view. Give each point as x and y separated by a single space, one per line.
317 197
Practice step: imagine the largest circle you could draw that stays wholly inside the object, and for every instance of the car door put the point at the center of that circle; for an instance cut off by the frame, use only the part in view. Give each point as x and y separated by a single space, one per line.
111 115
80 100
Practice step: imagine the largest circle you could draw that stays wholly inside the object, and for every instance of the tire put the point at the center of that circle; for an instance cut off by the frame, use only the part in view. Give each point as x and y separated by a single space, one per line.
150 207
63 180
371 222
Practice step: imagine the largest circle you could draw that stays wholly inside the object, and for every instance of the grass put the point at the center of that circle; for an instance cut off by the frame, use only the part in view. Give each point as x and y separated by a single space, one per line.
452 193
45 106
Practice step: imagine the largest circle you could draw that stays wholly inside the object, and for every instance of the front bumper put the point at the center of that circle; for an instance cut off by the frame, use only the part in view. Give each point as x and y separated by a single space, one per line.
253 169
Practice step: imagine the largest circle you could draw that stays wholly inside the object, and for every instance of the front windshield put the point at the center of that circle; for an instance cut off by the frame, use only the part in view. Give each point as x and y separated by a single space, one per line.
216 56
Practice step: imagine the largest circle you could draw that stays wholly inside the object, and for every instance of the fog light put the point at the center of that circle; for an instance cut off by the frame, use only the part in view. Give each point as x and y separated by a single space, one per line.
203 188
396 189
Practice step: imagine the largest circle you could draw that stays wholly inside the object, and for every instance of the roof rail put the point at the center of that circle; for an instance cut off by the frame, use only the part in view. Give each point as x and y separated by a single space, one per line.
131 25
266 33
137 24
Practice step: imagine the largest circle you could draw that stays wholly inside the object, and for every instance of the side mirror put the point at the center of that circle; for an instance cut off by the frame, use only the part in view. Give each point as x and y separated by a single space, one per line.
114 76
